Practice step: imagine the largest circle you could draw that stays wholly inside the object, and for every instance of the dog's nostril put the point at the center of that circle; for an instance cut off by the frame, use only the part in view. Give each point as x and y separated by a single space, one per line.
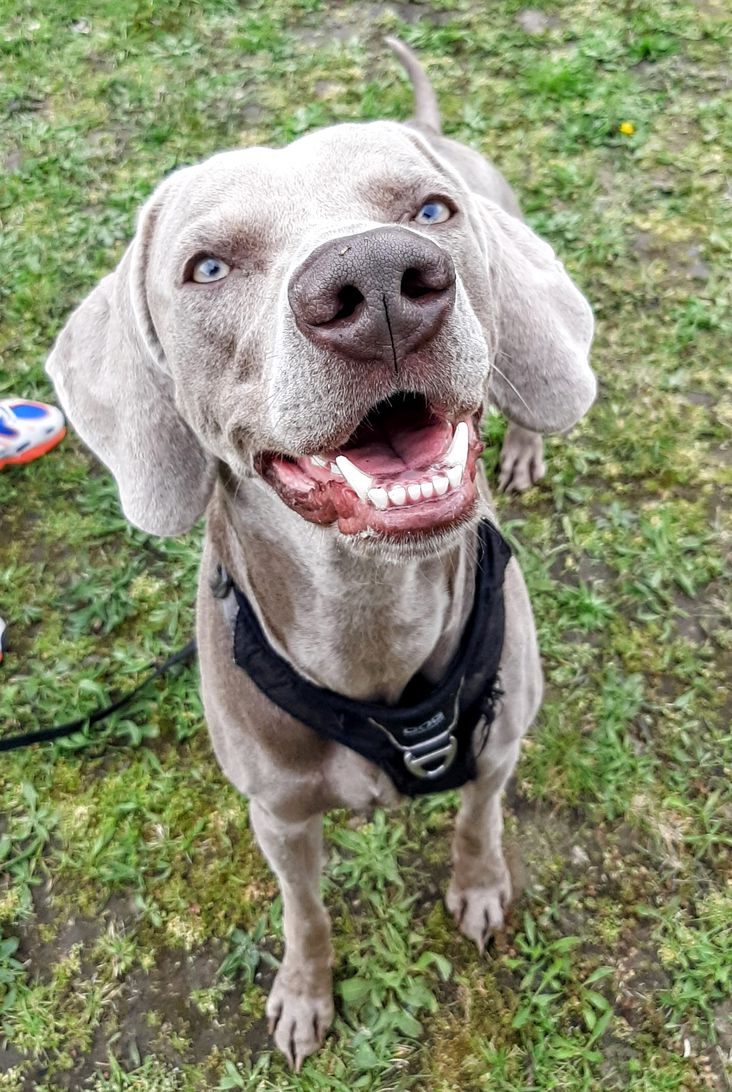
349 298
415 285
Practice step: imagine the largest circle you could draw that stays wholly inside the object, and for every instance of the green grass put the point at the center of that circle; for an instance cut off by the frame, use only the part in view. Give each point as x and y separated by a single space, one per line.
139 927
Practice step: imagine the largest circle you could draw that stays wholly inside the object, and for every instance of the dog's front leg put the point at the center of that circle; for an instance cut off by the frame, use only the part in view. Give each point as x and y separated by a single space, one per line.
480 888
300 1005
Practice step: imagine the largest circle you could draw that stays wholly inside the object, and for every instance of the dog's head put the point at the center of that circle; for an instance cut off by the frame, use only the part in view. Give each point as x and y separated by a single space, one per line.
328 318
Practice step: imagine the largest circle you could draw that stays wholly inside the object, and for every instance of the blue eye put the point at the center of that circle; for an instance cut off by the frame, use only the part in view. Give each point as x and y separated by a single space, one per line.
210 269
433 212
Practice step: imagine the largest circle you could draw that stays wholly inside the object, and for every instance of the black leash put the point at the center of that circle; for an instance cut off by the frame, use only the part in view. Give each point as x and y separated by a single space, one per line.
44 735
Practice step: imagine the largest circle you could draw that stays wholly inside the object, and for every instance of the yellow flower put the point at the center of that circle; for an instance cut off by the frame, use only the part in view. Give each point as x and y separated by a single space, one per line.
627 128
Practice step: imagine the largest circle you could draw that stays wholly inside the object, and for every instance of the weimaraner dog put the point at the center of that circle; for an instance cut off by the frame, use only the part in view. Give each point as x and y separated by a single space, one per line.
300 343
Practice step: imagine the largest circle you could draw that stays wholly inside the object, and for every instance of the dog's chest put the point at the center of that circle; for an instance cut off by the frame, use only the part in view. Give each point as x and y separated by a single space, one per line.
369 639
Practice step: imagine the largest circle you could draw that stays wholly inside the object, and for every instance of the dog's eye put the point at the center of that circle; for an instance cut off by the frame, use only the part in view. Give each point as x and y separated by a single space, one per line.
209 269
433 212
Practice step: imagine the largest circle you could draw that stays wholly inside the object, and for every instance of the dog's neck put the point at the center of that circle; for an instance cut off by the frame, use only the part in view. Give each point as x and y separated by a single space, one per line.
358 625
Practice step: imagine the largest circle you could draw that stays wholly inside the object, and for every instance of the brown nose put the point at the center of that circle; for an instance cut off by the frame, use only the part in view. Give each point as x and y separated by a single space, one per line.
376 295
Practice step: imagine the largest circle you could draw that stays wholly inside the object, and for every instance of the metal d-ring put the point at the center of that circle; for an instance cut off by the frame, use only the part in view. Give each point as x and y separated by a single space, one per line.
416 763
418 754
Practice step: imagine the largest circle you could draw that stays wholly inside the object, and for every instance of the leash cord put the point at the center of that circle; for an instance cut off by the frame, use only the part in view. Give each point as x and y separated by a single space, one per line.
60 731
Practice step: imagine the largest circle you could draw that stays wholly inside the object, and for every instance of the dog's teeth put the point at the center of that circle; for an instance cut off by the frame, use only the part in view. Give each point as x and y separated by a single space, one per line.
379 498
415 492
317 461
441 485
454 476
335 471
427 489
398 495
457 453
359 482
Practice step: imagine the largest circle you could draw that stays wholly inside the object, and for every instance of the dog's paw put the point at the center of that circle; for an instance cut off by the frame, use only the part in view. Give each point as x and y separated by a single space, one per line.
522 460
479 911
297 1017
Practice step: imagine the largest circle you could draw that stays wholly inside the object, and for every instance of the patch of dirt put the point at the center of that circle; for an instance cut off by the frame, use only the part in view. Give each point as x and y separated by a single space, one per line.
149 1011
682 260
13 161
702 618
358 25
535 22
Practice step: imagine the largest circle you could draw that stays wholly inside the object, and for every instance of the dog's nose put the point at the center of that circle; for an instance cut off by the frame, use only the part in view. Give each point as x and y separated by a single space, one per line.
375 295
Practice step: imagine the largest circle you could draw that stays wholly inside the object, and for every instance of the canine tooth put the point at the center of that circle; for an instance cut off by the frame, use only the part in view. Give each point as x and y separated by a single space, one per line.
457 453
335 471
379 498
454 476
441 485
428 490
415 492
398 495
359 482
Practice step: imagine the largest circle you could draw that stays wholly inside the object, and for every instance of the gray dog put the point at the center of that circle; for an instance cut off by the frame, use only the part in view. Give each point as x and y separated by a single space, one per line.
300 343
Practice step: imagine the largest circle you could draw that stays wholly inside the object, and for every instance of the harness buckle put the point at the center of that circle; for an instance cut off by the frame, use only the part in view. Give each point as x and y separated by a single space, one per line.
419 755
417 764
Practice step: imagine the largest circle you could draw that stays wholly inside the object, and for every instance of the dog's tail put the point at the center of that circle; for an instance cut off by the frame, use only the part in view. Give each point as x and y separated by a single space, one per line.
426 110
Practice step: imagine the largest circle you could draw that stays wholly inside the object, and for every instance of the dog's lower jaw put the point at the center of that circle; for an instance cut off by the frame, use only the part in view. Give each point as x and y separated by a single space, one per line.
391 550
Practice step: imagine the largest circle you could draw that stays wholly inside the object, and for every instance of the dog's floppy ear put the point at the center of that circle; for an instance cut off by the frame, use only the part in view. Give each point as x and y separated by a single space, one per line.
109 371
540 327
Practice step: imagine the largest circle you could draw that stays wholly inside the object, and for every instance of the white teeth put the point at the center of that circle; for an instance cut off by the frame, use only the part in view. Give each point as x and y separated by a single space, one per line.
457 453
317 461
454 476
379 498
359 482
396 497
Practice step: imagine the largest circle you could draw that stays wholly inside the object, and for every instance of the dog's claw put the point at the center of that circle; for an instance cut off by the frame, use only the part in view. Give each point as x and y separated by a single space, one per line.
522 460
479 911
298 1018
488 933
273 1020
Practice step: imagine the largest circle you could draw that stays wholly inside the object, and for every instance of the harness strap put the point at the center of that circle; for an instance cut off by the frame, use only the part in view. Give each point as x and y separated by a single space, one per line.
428 741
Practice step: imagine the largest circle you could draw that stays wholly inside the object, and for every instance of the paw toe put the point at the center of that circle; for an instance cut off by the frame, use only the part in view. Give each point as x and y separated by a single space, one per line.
299 1021
479 911
522 461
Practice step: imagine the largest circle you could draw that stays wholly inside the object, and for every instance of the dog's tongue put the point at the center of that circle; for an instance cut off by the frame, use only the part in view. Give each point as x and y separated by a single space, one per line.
392 447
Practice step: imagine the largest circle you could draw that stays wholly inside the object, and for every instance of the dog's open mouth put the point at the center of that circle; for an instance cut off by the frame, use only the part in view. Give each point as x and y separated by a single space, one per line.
405 470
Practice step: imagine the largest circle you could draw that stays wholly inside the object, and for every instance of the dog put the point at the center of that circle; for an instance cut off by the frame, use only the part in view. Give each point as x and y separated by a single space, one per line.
300 343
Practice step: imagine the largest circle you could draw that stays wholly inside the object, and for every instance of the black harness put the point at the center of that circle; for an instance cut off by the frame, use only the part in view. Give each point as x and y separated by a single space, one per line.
424 742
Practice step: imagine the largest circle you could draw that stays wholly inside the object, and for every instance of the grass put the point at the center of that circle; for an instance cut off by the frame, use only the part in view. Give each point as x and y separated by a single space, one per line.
139 927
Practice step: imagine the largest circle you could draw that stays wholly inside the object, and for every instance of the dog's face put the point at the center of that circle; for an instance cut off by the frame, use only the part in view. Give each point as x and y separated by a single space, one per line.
320 327
326 318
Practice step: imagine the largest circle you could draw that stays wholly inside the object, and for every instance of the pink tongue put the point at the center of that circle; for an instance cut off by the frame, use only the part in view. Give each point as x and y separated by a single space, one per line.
401 450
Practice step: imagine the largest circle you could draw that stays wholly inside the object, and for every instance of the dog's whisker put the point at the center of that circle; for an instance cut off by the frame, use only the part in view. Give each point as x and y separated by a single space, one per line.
515 389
